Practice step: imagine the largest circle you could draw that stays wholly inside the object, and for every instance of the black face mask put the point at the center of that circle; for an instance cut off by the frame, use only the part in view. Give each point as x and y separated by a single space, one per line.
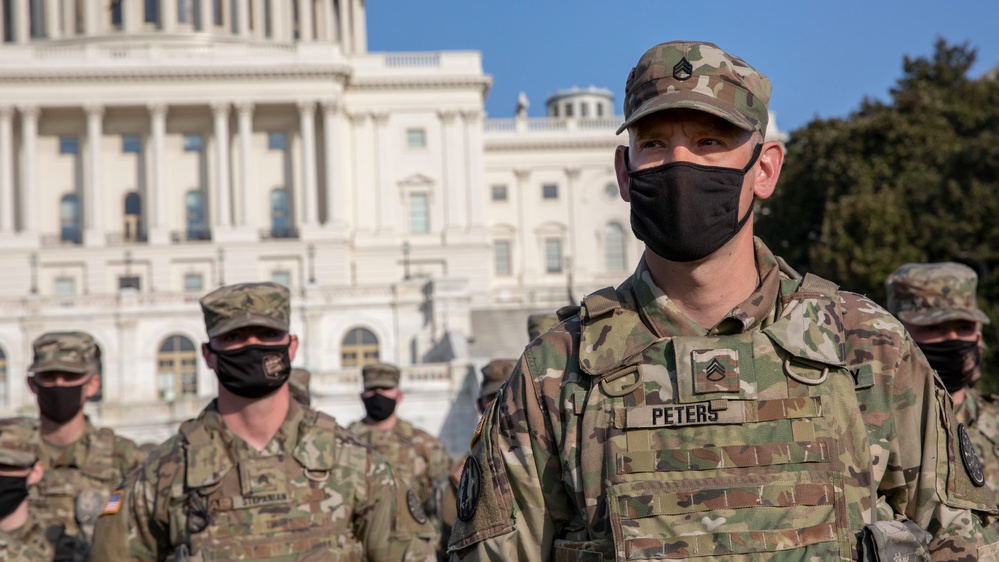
13 491
59 403
253 371
954 360
683 211
378 406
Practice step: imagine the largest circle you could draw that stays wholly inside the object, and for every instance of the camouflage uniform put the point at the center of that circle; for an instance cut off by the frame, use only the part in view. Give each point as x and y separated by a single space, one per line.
312 493
932 293
441 505
540 323
27 543
298 386
418 457
79 477
802 426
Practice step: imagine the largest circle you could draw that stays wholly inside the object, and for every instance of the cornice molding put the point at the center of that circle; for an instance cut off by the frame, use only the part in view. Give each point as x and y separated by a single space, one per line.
154 74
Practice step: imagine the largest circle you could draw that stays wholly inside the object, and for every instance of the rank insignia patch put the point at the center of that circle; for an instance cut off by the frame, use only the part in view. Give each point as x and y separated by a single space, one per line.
715 370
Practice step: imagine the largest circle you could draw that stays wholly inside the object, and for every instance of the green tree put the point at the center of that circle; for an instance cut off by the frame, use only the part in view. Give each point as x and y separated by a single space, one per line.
909 180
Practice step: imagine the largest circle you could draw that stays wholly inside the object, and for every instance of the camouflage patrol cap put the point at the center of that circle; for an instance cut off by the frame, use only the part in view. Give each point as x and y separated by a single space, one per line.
696 75
538 324
246 304
70 352
298 385
17 443
923 294
495 374
380 375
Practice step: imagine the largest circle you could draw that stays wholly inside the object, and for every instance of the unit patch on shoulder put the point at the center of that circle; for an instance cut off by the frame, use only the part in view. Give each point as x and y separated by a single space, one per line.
971 463
114 503
469 489
415 508
478 432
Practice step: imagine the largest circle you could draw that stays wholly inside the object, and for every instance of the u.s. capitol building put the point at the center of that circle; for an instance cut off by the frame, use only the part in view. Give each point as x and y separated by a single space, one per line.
152 150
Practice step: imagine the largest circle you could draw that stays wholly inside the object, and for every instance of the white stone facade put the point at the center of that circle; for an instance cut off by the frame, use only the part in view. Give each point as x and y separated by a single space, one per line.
151 150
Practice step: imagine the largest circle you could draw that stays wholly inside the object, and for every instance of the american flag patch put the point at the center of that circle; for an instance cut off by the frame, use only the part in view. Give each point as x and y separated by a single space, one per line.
114 503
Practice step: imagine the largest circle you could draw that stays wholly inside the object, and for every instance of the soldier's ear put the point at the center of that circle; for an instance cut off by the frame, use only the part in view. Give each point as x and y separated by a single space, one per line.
35 476
621 169
31 385
292 347
206 352
92 385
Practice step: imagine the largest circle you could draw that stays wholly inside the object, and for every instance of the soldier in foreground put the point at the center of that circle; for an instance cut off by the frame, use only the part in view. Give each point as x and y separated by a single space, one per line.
298 386
83 464
257 476
418 457
22 536
937 304
716 405
443 497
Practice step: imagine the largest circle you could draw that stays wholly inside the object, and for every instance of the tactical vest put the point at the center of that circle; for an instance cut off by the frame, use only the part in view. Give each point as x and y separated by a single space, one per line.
748 445
73 496
297 506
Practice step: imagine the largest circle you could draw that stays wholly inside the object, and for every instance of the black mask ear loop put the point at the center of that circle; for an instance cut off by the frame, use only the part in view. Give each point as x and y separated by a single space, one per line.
752 162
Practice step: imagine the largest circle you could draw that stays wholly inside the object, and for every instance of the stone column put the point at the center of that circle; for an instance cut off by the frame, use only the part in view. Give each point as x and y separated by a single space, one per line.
453 172
360 26
307 129
93 234
329 22
388 215
346 37
336 201
474 182
168 15
305 18
6 170
364 173
29 141
522 176
132 16
277 22
91 18
572 199
223 210
156 193
20 26
207 18
242 15
259 27
53 25
245 191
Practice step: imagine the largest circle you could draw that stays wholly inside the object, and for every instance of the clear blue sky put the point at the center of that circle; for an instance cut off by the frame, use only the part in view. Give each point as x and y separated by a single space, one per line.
822 56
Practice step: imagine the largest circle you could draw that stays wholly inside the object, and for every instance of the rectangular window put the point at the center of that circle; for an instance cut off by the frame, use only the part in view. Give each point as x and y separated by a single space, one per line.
128 282
69 145
568 110
281 277
553 255
419 213
549 191
194 282
131 144
584 110
193 142
600 110
499 193
416 138
277 140
65 286
501 257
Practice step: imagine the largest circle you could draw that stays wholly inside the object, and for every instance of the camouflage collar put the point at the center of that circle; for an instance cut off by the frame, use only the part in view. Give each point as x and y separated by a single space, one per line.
73 455
282 441
666 318
967 412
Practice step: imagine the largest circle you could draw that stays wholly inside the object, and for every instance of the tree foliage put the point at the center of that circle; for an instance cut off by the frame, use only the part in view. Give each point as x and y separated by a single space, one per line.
915 179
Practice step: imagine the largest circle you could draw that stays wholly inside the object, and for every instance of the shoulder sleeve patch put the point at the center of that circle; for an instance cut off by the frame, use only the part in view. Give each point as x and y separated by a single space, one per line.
113 505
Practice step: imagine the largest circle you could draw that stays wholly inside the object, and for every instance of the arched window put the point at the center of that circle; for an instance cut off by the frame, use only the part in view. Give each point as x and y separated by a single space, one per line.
3 378
614 254
194 203
359 348
69 218
177 368
133 210
280 221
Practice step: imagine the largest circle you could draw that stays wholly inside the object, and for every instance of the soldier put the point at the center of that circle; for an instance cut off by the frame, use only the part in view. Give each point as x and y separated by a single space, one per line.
716 405
540 323
83 464
936 303
22 536
441 506
420 458
298 386
257 476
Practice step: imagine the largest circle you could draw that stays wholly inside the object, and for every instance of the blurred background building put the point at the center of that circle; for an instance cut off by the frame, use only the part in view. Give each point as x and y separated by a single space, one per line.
152 150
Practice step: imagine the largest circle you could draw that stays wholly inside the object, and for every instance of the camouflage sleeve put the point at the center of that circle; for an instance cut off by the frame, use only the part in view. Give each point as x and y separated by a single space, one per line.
383 524
929 484
127 529
438 464
511 492
128 455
